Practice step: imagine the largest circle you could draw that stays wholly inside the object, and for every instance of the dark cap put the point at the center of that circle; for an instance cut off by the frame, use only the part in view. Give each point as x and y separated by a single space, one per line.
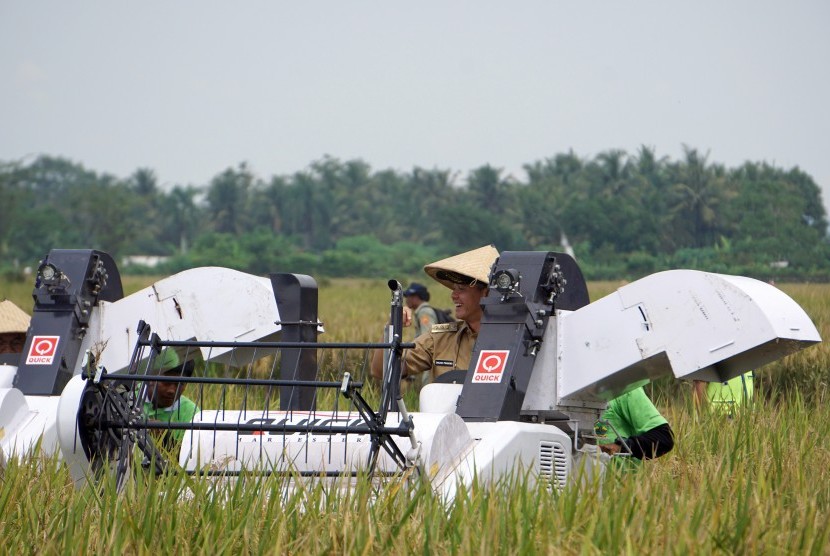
417 289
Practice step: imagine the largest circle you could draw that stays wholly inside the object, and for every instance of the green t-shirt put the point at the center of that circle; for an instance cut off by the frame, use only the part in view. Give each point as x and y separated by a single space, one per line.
631 414
726 396
182 411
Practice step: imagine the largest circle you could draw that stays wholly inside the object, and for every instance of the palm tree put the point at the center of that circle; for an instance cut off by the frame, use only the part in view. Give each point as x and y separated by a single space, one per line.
181 215
227 199
144 182
697 191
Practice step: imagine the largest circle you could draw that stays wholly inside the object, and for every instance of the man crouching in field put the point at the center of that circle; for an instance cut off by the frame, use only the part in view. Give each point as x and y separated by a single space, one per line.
165 401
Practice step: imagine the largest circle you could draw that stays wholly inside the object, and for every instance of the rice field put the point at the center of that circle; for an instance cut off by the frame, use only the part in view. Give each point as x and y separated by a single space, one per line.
752 485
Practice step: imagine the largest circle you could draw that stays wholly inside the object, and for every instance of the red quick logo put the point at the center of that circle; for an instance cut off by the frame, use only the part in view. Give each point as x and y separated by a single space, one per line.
490 366
42 351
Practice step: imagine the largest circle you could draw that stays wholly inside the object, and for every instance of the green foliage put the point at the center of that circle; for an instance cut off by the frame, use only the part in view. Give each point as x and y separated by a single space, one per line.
626 215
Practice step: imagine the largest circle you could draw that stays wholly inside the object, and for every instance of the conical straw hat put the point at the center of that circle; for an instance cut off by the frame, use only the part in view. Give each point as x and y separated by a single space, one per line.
466 268
12 318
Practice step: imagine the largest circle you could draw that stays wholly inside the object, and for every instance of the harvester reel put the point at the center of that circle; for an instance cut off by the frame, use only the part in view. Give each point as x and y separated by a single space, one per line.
110 444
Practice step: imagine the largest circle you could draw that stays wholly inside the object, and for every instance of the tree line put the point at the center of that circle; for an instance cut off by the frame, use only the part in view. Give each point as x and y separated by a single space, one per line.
624 215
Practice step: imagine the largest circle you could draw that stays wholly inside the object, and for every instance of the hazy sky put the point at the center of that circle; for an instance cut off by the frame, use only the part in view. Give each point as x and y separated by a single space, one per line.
191 88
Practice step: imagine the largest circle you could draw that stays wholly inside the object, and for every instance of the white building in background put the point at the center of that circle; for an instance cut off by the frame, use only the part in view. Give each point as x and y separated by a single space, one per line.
566 245
150 261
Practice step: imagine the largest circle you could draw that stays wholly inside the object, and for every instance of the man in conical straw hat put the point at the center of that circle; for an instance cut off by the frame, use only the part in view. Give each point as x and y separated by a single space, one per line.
14 323
449 346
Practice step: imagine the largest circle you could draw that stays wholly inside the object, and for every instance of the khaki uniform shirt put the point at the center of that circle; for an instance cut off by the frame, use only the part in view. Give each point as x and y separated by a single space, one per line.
446 347
424 318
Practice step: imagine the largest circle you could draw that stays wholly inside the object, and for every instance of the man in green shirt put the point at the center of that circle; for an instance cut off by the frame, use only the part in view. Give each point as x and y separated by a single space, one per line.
726 397
632 421
165 401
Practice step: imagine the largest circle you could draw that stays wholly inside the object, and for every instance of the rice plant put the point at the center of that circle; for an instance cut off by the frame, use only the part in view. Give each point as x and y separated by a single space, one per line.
754 484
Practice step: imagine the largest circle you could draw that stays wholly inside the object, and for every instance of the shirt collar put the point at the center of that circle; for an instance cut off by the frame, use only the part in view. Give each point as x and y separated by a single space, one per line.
170 409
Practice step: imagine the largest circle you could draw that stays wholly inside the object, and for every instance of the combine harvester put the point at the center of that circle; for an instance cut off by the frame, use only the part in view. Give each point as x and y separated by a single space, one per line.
545 364
79 309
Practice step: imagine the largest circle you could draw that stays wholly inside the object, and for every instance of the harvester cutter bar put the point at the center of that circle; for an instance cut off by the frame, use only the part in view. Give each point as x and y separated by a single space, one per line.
401 430
292 473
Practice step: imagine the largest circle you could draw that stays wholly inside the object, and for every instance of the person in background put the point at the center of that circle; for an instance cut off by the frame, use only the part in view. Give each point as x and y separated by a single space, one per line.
14 323
636 423
417 299
725 397
165 401
449 346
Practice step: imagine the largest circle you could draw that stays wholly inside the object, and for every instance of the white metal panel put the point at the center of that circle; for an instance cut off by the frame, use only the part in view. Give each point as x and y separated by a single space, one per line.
693 324
437 397
209 303
598 352
320 452
25 421
507 449
541 390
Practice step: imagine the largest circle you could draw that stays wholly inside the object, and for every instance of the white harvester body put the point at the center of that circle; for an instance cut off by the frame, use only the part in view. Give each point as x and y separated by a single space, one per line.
555 360
191 305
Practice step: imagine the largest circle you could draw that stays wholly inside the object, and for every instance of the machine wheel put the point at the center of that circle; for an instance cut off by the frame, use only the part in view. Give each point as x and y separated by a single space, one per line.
111 446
